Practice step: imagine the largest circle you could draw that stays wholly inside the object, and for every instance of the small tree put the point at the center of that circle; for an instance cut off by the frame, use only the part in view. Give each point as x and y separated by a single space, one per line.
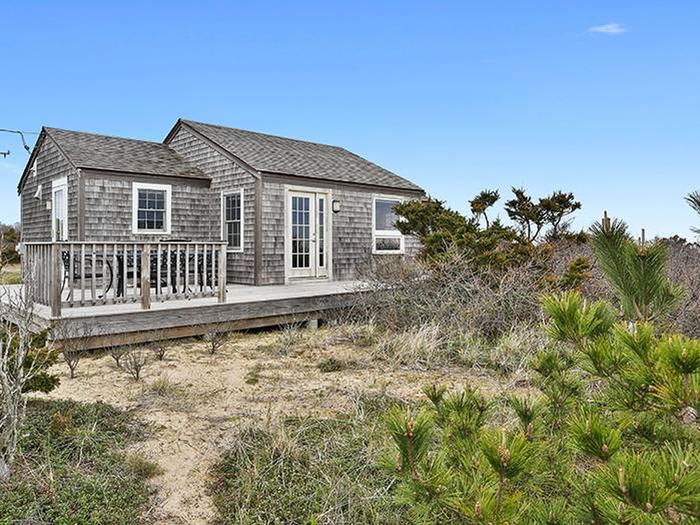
482 202
134 360
24 362
636 271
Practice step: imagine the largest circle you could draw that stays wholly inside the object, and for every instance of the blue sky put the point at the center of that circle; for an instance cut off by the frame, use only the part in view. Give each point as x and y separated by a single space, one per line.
601 98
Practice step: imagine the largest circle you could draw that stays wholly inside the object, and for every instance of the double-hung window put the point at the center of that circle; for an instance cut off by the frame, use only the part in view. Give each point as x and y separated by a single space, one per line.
386 238
151 208
232 219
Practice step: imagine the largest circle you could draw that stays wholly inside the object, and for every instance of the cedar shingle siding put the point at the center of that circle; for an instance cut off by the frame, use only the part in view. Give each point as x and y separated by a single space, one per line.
36 218
199 162
108 210
225 176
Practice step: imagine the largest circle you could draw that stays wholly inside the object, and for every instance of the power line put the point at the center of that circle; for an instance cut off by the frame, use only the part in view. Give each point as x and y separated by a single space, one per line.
21 135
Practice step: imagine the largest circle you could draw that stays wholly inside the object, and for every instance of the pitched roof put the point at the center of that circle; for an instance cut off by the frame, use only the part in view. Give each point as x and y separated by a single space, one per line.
102 152
273 154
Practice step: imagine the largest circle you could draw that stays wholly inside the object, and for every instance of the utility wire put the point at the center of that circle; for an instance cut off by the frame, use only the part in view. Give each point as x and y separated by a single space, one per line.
21 135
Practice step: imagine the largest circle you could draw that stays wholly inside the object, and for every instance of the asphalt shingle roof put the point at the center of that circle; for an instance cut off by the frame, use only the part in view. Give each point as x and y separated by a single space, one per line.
273 154
88 150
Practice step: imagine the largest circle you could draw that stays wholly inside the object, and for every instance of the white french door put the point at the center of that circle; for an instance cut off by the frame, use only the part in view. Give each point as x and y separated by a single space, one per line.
307 234
59 210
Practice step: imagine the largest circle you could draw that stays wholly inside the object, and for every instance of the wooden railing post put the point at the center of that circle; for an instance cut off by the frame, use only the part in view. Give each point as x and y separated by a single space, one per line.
56 267
145 277
222 273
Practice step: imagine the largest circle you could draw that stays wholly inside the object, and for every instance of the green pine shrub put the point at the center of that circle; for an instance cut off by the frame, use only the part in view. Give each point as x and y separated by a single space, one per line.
612 437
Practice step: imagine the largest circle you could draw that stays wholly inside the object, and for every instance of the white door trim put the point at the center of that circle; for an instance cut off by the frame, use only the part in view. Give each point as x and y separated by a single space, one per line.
315 192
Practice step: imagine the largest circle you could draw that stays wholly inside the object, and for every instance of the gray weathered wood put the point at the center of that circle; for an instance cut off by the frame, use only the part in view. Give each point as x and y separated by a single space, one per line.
56 274
146 277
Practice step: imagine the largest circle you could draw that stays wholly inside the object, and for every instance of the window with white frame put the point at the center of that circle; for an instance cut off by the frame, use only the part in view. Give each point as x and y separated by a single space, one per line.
386 238
151 208
232 219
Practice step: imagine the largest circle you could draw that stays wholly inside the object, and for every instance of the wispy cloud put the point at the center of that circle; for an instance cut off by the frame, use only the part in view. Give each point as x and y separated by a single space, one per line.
608 29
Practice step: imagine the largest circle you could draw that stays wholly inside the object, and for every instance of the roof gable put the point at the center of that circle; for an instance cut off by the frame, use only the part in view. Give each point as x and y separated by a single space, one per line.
102 152
273 154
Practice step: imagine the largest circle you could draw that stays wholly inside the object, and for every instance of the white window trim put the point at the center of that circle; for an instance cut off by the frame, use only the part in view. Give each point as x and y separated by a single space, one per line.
224 237
56 185
385 233
136 186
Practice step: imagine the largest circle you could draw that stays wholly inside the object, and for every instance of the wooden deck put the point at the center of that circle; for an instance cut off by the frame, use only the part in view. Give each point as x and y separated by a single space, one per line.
245 307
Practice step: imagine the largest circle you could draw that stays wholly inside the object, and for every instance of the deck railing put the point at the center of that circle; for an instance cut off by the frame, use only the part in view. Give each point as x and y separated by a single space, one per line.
74 274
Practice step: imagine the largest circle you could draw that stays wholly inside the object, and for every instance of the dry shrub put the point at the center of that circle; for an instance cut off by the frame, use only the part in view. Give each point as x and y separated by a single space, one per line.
159 347
684 269
215 339
134 362
117 352
72 358
452 293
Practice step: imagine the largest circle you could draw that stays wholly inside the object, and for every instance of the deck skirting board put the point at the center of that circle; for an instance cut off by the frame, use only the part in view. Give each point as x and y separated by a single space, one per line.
133 327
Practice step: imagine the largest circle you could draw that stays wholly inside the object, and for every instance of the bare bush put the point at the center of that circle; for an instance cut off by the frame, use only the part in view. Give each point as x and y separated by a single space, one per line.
451 293
134 361
73 339
117 352
159 347
72 358
215 338
23 360
684 269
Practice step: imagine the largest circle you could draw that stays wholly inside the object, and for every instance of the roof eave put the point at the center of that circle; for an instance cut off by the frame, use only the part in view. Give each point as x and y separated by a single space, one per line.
416 189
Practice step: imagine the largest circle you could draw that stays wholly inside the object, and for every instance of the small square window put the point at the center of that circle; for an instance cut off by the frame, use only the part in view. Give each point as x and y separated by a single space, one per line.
151 211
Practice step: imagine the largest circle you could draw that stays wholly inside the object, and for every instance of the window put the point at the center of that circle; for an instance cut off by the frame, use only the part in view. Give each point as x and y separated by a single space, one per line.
232 220
386 238
151 208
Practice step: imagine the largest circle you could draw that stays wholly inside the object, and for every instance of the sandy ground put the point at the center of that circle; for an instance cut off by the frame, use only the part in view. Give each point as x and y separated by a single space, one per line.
249 380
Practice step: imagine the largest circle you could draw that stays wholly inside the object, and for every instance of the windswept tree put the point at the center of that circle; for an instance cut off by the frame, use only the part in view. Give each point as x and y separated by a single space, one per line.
557 207
442 230
482 202
533 217
528 215
693 199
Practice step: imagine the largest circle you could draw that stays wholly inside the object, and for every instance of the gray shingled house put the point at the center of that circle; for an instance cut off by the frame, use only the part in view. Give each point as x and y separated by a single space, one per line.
286 210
